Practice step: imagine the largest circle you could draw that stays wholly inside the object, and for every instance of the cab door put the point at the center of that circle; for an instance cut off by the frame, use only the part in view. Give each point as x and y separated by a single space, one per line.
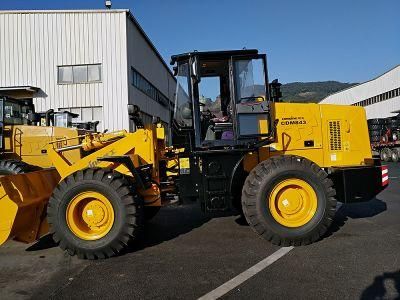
251 96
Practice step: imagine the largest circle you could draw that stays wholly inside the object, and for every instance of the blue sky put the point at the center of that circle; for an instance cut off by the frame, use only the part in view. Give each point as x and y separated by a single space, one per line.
316 40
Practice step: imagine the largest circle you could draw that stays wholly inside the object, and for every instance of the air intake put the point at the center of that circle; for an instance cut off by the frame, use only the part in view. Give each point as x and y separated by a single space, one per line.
335 138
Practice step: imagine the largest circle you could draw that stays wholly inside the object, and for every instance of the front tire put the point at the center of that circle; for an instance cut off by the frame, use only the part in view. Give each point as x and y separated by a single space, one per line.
95 213
289 201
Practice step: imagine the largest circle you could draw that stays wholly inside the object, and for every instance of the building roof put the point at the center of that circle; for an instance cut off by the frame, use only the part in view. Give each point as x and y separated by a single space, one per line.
51 11
77 11
359 84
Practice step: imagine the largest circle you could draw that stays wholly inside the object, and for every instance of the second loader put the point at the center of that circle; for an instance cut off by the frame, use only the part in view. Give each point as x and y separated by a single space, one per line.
284 166
25 133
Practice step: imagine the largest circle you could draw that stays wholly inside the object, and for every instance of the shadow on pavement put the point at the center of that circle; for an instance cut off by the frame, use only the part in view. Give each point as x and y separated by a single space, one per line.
365 209
356 211
170 223
174 221
377 289
45 242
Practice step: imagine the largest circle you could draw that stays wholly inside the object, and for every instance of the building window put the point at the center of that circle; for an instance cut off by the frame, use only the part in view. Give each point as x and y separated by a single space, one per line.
142 84
79 74
379 98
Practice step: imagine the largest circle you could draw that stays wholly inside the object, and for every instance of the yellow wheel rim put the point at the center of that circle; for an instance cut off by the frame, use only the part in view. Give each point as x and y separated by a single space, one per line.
90 215
293 202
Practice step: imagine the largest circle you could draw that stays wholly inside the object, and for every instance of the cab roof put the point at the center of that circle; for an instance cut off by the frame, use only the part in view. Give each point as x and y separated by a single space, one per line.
224 54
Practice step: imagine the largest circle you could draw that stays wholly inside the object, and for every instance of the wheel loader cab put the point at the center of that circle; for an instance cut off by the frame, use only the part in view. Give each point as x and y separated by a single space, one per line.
222 99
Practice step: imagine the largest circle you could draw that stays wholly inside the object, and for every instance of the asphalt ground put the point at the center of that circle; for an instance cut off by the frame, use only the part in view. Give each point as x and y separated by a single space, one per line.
185 254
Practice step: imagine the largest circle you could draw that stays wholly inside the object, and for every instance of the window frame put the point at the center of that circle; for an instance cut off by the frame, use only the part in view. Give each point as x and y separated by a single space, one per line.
87 74
142 84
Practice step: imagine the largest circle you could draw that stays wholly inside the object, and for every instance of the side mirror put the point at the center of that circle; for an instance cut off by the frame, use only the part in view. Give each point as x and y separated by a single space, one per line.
33 117
155 120
133 109
275 90
134 115
195 71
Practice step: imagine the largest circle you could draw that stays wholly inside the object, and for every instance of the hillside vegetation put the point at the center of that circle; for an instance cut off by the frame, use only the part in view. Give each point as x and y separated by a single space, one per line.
300 92
311 91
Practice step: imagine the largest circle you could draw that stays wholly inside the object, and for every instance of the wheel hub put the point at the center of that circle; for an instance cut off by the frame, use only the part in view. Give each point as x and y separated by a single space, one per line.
293 202
94 213
90 215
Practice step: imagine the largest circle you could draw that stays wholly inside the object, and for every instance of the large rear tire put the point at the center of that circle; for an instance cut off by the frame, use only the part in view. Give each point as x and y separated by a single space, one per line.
289 201
95 213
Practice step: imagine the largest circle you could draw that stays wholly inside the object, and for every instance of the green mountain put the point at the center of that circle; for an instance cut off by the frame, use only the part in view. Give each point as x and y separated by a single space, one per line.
311 91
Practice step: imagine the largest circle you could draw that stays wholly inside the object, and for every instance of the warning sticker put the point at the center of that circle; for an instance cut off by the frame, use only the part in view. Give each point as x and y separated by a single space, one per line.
184 165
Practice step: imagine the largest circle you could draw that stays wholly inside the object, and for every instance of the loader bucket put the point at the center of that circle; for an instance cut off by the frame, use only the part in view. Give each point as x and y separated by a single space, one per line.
23 203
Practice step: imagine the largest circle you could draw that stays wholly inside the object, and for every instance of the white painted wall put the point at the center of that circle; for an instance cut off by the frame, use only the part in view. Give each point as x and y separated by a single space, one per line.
384 83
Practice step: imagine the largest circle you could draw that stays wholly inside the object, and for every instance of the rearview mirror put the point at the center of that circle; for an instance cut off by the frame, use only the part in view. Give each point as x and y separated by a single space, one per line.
275 90
195 72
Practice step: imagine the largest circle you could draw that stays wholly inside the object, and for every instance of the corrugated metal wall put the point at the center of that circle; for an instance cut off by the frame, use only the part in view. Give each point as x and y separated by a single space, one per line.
384 83
33 44
145 61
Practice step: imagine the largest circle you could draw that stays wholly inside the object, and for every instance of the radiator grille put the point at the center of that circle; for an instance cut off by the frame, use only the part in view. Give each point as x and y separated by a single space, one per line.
335 138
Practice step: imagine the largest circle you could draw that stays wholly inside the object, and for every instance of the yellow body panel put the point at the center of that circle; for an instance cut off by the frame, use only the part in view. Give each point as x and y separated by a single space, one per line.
329 135
28 143
139 145
23 199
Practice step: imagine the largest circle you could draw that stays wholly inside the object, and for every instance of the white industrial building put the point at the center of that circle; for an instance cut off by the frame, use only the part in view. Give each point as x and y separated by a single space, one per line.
380 96
91 62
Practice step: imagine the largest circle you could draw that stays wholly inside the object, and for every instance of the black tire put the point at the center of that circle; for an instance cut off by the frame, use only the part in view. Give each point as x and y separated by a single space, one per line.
375 128
394 122
386 154
377 121
375 132
127 206
150 212
13 167
375 139
260 183
395 155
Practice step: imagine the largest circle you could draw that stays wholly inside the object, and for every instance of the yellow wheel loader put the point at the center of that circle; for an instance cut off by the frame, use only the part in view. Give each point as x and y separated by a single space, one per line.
231 144
24 135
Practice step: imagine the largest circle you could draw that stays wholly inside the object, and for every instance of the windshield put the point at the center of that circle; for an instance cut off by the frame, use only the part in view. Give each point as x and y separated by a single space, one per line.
183 105
250 80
